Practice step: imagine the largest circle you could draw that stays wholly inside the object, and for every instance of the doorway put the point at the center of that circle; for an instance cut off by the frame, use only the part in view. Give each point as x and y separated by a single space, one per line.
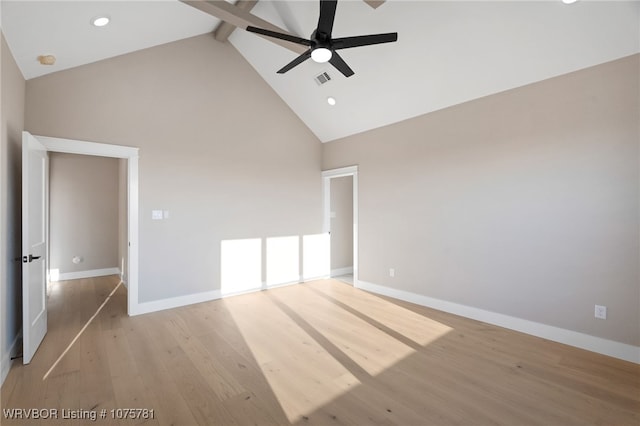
87 217
341 221
130 156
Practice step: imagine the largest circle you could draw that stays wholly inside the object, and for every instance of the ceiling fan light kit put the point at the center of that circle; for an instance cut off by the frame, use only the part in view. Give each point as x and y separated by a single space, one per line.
322 47
321 55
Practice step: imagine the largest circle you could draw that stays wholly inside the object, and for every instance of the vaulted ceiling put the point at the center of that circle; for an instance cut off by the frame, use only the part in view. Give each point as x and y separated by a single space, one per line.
447 52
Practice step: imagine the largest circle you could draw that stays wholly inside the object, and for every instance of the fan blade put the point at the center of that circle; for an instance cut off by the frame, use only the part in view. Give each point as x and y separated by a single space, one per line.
297 61
337 61
287 37
366 40
327 15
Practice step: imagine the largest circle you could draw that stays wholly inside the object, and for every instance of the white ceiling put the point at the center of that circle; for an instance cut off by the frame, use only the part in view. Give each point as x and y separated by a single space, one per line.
447 52
63 29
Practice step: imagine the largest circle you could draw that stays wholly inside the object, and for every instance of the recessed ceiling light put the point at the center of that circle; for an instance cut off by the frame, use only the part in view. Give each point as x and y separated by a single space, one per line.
569 1
100 21
331 100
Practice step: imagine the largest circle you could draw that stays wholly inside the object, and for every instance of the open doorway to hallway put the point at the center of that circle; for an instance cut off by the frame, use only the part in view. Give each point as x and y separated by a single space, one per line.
341 227
87 216
341 221
87 242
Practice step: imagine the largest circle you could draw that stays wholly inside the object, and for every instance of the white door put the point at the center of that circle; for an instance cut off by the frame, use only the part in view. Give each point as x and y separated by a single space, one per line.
35 184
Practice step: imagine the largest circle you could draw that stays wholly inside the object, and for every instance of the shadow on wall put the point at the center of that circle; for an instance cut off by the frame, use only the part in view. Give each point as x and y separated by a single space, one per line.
260 263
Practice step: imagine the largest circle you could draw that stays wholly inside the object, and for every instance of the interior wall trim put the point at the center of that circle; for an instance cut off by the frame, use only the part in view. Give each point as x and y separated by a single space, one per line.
568 337
342 271
208 296
176 302
64 276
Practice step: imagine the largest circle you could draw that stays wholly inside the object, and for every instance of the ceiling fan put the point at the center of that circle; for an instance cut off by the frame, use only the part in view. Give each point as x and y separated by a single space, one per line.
322 48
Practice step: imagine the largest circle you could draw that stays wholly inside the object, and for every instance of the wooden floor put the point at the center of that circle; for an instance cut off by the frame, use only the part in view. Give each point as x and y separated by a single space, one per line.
320 353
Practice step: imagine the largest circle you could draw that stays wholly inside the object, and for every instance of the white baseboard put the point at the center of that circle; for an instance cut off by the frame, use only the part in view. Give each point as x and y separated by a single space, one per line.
86 274
278 285
568 337
314 278
176 302
342 271
207 296
6 358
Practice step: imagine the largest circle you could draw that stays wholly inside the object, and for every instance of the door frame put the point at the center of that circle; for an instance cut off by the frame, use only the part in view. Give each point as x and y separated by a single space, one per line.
327 175
70 146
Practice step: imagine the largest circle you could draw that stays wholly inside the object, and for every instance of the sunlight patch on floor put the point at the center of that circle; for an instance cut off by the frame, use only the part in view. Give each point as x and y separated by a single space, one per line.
416 327
299 390
328 348
370 348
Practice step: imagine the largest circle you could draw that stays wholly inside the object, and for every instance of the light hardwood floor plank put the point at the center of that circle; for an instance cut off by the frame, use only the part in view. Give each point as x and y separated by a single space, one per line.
320 353
169 404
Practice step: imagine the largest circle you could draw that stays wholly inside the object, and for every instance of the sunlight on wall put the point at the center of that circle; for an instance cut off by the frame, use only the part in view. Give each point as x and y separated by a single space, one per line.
240 265
283 260
241 262
316 254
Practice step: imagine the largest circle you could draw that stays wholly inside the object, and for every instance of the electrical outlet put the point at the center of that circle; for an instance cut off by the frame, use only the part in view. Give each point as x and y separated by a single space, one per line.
601 312
392 272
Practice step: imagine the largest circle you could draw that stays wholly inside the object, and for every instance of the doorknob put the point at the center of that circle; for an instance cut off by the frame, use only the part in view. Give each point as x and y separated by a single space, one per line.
30 259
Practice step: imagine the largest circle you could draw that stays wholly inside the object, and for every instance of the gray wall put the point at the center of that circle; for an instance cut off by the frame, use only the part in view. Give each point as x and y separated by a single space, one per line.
219 150
341 222
12 121
524 203
83 212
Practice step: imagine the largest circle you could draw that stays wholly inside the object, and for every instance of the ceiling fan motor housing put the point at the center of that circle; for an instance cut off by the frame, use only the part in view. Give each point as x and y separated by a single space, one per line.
320 47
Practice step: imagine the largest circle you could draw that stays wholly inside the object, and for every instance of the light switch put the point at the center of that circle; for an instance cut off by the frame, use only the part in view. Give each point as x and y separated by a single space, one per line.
156 214
332 215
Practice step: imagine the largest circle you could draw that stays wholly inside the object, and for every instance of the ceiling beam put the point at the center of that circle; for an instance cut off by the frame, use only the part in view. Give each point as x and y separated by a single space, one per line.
242 19
225 29
374 3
